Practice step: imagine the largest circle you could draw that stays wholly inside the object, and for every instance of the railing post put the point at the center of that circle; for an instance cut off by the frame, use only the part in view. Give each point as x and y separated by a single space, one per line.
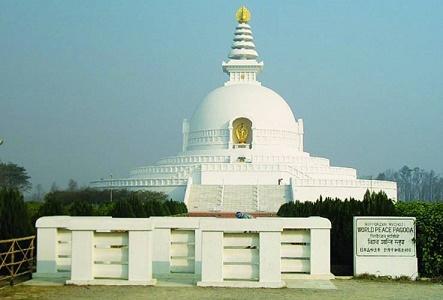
31 257
11 282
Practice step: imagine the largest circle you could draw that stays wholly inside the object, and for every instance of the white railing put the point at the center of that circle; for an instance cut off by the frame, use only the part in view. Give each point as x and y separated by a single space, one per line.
363 183
131 182
260 252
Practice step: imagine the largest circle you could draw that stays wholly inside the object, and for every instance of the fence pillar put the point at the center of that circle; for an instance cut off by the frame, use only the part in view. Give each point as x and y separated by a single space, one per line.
270 270
198 252
140 257
320 253
161 251
46 252
82 262
212 257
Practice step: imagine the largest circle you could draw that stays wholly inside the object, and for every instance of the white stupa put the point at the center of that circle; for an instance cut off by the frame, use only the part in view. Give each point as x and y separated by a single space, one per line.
243 149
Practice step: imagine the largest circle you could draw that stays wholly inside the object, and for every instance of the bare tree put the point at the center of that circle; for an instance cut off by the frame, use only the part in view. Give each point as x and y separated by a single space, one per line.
415 184
72 185
54 187
39 193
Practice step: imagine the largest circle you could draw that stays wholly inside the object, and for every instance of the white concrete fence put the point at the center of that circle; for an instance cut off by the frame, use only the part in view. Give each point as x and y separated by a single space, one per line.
262 252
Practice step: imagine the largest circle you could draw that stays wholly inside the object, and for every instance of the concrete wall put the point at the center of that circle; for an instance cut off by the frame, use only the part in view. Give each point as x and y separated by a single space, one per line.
103 250
216 252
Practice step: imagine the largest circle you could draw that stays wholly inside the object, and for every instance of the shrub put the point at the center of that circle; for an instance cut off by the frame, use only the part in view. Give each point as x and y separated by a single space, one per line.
123 209
429 232
81 207
176 208
53 206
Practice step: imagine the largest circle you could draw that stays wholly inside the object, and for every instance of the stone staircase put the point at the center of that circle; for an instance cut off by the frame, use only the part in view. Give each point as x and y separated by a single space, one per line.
232 198
273 196
239 198
205 198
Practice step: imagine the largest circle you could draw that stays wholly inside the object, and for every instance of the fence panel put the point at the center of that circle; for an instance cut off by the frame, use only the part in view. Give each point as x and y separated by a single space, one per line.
182 251
295 251
16 258
63 258
241 256
111 255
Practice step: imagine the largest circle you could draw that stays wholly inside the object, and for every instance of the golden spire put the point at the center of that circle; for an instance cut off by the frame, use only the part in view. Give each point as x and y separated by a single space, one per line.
243 15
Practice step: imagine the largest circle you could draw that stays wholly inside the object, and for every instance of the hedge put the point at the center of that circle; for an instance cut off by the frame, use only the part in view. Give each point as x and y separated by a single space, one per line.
125 204
429 226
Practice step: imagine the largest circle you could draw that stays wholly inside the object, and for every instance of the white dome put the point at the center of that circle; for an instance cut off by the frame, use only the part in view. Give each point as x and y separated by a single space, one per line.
264 107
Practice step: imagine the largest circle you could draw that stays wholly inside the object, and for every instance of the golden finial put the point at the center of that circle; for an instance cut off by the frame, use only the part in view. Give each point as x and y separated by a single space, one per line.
243 15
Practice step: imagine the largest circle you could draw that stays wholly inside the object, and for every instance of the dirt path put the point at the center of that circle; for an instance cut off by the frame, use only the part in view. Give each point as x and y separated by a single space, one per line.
346 289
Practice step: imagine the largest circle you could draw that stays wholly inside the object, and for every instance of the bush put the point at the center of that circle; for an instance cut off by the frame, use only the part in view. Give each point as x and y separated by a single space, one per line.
429 226
81 207
33 208
123 209
176 208
53 206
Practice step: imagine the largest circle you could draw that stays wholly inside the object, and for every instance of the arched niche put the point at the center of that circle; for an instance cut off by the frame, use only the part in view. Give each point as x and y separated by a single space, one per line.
242 131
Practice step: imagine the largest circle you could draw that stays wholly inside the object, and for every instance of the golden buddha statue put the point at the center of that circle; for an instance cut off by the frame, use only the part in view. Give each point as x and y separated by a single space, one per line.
241 132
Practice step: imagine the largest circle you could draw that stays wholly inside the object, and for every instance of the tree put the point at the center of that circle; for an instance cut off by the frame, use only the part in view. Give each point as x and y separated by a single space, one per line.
54 187
123 209
38 194
14 220
415 184
52 206
14 176
81 207
137 206
72 185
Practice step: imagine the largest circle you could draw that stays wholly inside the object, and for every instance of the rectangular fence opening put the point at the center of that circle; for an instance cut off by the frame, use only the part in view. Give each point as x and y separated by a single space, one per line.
63 258
241 259
111 255
295 252
182 258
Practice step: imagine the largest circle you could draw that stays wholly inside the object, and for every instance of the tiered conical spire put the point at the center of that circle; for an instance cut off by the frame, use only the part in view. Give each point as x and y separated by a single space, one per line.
242 66
243 46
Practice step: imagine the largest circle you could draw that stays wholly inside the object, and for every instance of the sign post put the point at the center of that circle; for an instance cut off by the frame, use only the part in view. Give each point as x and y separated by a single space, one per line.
385 246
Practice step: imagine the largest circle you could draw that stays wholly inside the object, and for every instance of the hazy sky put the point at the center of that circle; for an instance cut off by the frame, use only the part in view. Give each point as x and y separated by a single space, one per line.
89 88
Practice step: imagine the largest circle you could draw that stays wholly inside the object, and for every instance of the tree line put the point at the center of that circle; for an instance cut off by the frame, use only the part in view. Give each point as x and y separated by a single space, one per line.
415 184
17 217
124 203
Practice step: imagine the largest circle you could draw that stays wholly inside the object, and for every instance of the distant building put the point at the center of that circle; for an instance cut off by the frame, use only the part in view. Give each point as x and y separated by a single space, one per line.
243 149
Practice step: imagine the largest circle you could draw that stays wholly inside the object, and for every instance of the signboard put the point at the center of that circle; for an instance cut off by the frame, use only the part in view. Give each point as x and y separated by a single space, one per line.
384 236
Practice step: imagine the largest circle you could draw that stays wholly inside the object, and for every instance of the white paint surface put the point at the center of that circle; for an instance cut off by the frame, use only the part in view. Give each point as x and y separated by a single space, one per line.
213 251
372 257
